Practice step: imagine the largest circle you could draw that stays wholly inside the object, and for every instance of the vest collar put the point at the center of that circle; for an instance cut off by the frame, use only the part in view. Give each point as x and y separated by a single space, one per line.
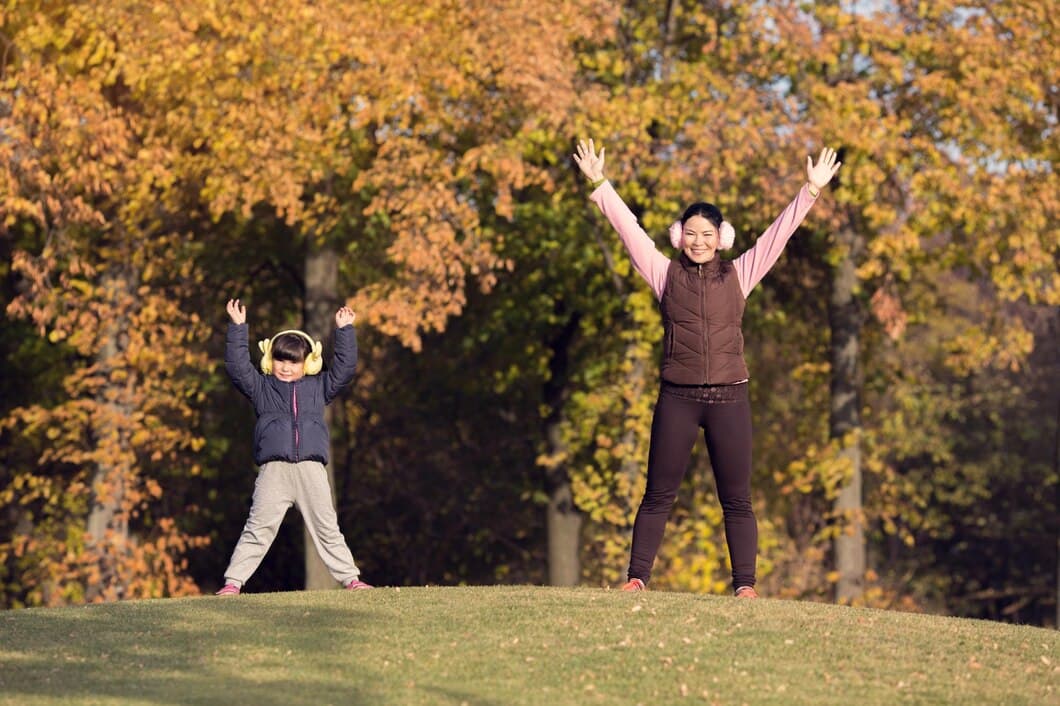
712 266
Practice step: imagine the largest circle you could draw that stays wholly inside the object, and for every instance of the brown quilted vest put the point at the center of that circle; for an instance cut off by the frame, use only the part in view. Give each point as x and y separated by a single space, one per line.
702 310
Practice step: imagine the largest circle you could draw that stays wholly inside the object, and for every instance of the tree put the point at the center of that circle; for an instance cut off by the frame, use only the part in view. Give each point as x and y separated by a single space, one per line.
228 116
674 97
925 166
454 148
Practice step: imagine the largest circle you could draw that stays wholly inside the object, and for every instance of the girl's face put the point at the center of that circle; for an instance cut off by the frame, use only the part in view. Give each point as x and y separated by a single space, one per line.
700 239
288 370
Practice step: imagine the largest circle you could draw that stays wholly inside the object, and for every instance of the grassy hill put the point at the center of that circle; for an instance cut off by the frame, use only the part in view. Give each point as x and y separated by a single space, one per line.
514 645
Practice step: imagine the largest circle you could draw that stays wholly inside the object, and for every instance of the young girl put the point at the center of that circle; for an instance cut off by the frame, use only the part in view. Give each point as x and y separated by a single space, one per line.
704 376
291 441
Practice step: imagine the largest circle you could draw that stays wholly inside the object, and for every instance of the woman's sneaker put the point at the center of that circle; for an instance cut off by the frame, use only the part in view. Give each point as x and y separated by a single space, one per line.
357 585
229 589
746 592
634 585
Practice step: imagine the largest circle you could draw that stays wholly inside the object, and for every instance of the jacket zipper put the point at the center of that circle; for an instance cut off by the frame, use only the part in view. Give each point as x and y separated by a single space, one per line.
703 319
294 407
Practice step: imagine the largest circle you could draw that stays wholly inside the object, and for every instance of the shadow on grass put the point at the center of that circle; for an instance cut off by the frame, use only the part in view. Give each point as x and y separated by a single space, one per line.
459 697
203 650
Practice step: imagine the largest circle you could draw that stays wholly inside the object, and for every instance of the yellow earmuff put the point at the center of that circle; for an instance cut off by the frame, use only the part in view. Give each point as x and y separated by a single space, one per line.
313 362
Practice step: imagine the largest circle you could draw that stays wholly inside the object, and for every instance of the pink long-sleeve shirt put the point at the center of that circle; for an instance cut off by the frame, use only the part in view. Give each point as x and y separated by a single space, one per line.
751 266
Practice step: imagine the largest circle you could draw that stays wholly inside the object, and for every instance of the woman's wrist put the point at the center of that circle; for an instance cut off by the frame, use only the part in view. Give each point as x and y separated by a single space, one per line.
814 191
595 183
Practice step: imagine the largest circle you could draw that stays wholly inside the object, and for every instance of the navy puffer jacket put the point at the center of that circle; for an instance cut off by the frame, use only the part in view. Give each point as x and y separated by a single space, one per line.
290 424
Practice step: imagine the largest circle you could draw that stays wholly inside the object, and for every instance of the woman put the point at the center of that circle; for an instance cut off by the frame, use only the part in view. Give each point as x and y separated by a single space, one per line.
704 376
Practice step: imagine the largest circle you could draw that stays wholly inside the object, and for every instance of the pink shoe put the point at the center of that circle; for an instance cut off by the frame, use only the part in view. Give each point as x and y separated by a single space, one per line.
229 589
634 585
746 592
357 585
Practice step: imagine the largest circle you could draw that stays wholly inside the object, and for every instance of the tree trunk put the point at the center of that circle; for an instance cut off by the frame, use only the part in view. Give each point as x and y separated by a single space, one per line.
563 520
106 526
321 301
105 506
844 318
633 467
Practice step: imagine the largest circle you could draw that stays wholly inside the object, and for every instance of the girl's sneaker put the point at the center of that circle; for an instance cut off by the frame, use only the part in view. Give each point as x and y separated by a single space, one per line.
746 592
357 585
634 585
229 589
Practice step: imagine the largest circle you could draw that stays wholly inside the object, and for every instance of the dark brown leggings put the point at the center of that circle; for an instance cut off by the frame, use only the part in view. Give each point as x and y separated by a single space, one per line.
723 412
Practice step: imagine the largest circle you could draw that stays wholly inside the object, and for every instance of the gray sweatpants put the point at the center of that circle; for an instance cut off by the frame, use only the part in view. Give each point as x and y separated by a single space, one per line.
279 485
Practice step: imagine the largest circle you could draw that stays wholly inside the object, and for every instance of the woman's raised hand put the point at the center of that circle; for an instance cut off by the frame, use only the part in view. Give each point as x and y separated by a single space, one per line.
821 173
591 163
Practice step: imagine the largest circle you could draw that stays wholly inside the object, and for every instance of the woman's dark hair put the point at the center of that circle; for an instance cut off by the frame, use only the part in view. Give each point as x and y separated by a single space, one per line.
707 210
290 347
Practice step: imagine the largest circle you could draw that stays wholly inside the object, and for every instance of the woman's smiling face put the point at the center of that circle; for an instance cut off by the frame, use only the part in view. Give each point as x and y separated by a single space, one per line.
700 239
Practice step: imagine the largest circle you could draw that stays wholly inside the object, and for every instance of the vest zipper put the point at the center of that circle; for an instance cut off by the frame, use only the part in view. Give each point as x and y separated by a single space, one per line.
703 318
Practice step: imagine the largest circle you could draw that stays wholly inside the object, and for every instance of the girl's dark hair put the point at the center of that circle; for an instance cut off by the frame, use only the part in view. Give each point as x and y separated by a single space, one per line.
707 210
290 347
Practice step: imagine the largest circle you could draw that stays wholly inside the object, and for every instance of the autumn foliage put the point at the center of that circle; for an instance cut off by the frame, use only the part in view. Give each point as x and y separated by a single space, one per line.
157 158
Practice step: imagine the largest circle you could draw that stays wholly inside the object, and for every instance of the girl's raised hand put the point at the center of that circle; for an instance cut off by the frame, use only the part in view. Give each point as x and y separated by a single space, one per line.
821 173
344 317
236 311
591 163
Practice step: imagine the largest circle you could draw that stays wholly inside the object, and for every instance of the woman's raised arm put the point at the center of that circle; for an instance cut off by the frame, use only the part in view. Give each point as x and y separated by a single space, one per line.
647 260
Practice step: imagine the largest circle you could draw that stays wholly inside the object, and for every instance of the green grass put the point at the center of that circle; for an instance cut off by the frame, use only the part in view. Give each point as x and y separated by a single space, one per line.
514 645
